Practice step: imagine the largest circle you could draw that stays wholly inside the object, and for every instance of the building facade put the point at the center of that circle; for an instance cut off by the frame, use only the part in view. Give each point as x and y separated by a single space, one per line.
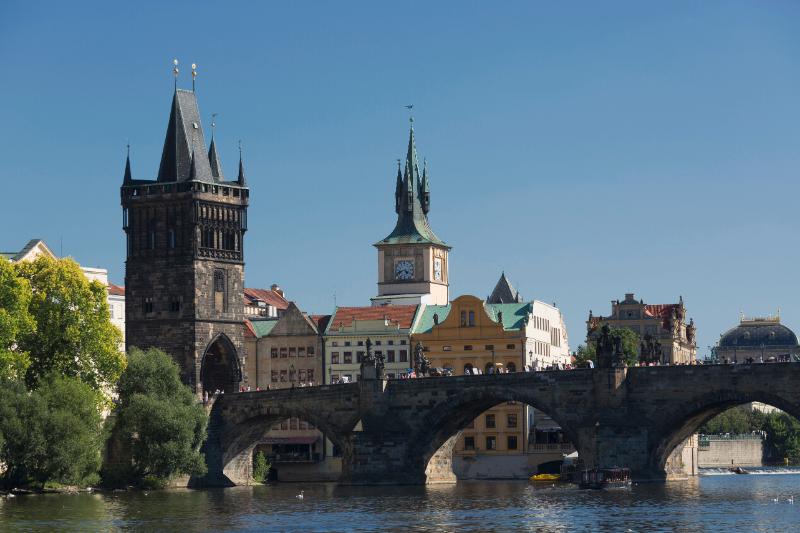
471 336
413 263
665 336
184 273
265 303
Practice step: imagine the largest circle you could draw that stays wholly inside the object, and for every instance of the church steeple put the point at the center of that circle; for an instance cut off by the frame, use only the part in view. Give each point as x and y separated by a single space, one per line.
412 201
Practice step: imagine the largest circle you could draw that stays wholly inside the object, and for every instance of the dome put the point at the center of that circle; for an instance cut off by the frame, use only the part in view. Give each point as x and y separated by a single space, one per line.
754 334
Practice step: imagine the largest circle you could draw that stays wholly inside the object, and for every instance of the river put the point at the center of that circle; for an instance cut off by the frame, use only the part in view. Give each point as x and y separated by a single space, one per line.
707 503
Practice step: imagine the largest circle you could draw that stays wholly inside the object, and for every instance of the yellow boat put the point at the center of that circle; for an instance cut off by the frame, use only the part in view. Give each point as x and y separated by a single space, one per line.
544 477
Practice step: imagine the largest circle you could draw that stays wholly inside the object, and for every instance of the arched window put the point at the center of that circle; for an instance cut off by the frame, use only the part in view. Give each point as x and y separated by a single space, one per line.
219 290
472 318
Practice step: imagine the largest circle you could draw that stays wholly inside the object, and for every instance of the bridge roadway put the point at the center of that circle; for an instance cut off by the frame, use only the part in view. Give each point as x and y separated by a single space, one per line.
630 417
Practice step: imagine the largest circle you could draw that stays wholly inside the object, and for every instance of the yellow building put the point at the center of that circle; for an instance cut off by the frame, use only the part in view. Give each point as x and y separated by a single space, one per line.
471 336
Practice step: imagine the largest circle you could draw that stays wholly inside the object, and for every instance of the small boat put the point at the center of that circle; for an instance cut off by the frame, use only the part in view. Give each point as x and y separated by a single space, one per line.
605 478
738 470
545 477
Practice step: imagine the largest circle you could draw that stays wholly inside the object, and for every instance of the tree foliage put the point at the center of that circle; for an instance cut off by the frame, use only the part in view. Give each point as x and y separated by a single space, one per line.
52 434
159 418
782 430
260 468
74 336
585 353
15 321
630 347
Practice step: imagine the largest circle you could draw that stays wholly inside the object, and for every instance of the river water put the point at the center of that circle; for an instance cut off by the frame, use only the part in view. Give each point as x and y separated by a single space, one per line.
711 502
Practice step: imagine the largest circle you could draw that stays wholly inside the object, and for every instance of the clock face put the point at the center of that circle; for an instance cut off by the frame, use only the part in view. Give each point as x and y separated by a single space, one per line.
437 269
404 270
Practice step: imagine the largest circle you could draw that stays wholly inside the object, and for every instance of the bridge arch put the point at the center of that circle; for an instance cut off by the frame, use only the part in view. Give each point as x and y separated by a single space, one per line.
675 429
443 423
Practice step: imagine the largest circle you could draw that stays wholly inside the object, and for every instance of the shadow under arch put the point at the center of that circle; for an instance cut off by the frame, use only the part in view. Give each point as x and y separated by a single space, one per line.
455 413
219 367
674 430
242 435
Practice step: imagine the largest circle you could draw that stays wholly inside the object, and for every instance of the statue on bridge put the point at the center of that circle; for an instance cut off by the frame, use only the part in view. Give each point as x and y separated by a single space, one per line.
372 365
421 363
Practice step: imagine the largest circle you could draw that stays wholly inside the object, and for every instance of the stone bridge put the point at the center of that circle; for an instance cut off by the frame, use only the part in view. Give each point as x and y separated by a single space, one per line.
631 417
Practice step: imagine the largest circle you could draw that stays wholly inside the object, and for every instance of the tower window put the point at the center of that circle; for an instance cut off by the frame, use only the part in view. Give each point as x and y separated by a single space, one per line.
472 318
175 305
171 239
148 306
463 318
219 290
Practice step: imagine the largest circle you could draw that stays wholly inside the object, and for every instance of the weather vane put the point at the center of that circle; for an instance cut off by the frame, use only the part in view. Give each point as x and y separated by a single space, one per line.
194 74
410 108
175 71
213 123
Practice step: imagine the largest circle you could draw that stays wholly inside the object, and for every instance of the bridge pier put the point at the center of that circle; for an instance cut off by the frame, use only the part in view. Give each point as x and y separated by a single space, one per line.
380 459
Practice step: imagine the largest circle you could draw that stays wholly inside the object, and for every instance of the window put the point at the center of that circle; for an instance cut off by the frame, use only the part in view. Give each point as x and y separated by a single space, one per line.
335 358
283 376
489 347
463 318
284 353
171 238
334 343
390 356
361 343
403 356
310 374
468 348
511 421
402 343
377 343
511 442
148 305
347 343
447 348
390 343
302 376
292 351
359 357
301 351
469 443
310 351
491 443
510 346
175 305
274 377
219 290
348 357
490 422
471 318
273 352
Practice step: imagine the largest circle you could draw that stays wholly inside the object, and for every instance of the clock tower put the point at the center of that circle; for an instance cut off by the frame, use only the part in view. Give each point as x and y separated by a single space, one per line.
412 260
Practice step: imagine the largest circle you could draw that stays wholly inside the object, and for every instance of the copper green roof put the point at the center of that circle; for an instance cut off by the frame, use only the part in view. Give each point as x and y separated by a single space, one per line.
514 315
263 327
412 203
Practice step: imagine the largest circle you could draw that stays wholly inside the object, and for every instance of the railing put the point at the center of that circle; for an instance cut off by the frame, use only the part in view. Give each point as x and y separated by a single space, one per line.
556 447
293 458
704 441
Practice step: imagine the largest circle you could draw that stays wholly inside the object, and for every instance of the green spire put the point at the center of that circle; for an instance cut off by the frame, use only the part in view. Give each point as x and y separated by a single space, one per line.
411 202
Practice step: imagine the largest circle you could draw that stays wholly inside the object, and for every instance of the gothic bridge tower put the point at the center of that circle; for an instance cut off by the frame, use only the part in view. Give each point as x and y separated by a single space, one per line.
412 260
184 273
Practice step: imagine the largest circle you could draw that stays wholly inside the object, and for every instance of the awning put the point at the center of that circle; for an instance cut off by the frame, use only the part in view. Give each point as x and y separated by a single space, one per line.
289 440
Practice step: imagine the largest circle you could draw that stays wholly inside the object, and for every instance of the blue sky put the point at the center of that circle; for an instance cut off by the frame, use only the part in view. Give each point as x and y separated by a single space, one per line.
588 149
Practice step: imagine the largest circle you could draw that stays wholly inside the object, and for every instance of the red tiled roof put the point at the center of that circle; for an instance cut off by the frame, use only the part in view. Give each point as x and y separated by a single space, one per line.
266 295
660 310
115 290
402 315
248 330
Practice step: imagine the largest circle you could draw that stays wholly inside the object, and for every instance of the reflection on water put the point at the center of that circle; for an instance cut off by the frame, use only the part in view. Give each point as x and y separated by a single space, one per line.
715 503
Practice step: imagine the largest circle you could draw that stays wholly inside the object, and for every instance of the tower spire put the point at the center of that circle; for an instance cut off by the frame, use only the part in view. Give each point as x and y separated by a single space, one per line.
240 180
213 157
128 178
398 190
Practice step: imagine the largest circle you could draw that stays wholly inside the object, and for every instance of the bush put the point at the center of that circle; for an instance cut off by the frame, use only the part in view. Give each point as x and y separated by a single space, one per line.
158 420
260 468
50 435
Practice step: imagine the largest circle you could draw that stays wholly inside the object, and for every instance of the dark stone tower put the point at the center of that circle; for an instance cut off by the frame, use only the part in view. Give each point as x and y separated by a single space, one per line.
184 274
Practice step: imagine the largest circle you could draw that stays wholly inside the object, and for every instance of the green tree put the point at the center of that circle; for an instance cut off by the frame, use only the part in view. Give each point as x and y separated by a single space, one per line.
585 353
630 346
15 321
74 334
53 434
260 468
159 419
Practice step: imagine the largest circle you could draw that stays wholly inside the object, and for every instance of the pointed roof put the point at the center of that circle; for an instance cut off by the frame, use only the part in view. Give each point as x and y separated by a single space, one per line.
214 161
412 220
127 178
504 292
240 179
184 137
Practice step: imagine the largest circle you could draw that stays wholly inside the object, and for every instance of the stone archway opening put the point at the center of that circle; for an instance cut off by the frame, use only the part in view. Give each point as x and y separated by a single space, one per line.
499 439
733 433
220 370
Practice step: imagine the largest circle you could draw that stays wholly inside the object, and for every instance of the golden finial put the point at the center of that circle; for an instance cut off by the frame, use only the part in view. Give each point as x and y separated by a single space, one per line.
194 74
175 71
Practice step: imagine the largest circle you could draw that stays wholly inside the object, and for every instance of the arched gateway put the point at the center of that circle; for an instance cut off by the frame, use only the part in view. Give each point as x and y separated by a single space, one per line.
220 369
628 417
